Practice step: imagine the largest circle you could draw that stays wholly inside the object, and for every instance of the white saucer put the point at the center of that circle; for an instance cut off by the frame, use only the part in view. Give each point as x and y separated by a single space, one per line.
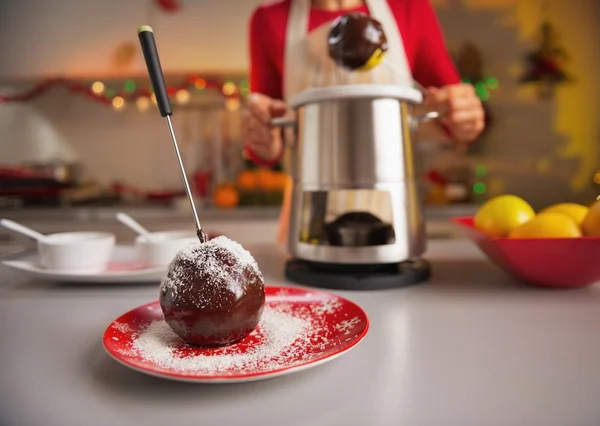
123 268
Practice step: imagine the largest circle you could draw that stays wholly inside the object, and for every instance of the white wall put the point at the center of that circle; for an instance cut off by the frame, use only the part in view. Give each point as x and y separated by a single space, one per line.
79 37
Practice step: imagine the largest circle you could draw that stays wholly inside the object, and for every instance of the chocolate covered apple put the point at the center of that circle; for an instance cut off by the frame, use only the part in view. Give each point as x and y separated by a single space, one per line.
357 42
213 293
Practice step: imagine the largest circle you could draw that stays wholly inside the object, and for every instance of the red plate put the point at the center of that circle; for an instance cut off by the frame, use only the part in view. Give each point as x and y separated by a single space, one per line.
299 329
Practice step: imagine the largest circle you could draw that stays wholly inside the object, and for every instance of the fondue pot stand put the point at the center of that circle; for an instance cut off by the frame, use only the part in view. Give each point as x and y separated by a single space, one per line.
356 211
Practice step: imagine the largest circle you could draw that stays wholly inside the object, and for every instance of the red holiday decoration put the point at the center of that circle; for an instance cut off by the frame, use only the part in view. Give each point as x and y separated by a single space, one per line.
545 65
105 96
169 5
435 177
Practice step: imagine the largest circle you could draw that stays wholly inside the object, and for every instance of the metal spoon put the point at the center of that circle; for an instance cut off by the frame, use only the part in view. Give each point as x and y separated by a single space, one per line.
21 229
134 225
146 37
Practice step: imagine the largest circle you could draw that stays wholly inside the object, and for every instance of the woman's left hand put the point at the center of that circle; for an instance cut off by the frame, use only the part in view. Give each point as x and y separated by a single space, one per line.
460 110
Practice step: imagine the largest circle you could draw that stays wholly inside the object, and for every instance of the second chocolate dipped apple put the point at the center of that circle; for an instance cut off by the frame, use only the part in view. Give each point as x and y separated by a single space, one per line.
357 42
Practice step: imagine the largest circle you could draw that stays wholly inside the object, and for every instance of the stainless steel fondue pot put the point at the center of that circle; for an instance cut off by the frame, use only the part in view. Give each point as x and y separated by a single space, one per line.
353 152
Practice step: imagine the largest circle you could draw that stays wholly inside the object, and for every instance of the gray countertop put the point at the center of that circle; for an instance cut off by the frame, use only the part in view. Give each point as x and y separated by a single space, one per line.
469 348
148 213
145 212
260 222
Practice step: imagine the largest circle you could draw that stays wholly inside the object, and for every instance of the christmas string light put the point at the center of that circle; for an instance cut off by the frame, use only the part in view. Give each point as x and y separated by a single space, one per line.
142 103
483 88
182 96
118 103
199 83
229 88
480 170
99 92
98 87
480 188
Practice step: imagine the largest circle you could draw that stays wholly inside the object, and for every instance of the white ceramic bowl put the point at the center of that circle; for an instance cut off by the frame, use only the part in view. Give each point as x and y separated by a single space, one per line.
162 247
87 252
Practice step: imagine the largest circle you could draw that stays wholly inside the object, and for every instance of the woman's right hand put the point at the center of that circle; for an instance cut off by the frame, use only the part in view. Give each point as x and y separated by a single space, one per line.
259 135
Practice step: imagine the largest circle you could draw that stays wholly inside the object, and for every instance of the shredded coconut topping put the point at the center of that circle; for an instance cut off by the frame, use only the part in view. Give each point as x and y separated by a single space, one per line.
286 335
218 263
277 341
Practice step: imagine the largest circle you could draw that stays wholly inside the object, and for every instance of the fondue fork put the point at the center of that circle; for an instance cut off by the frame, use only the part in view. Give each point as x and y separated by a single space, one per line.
146 37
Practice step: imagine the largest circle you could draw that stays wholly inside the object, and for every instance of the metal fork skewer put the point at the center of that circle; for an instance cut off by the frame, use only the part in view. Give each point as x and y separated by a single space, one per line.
183 174
148 44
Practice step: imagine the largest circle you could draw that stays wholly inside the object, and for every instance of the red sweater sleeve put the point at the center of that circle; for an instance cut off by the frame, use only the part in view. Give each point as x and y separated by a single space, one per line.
433 65
265 78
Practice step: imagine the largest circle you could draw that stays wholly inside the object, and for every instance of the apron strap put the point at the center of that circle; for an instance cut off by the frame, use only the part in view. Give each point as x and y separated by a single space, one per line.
295 56
380 10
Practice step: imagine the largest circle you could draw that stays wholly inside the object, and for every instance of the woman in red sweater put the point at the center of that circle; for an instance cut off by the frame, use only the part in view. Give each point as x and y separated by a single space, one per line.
288 42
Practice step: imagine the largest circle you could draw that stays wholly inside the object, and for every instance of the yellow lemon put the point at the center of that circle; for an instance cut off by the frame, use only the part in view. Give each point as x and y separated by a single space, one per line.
591 222
547 225
577 212
500 215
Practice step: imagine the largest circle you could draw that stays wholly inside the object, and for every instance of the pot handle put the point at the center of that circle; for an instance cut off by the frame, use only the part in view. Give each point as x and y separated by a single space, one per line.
428 116
283 122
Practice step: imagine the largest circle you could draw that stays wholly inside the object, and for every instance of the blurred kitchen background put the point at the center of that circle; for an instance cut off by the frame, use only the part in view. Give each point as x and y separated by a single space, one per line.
80 136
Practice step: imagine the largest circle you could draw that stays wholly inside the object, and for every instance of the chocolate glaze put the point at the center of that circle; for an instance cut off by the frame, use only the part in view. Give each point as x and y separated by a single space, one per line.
354 38
213 294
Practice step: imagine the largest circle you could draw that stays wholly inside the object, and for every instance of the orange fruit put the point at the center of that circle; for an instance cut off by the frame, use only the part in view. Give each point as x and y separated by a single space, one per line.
500 215
279 181
261 178
247 180
591 222
265 178
226 196
547 225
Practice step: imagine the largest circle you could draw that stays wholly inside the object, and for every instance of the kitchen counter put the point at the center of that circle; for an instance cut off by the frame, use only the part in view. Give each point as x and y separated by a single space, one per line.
469 348
140 212
260 222
154 212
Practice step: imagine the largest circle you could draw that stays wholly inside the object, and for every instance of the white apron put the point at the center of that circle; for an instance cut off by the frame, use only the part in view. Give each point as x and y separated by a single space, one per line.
307 64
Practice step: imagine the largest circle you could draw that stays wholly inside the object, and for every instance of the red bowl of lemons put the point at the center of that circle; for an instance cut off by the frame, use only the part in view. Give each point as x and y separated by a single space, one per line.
556 247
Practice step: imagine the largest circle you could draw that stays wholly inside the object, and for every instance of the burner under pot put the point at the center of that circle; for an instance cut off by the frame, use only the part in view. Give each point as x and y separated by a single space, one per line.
359 229
357 277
